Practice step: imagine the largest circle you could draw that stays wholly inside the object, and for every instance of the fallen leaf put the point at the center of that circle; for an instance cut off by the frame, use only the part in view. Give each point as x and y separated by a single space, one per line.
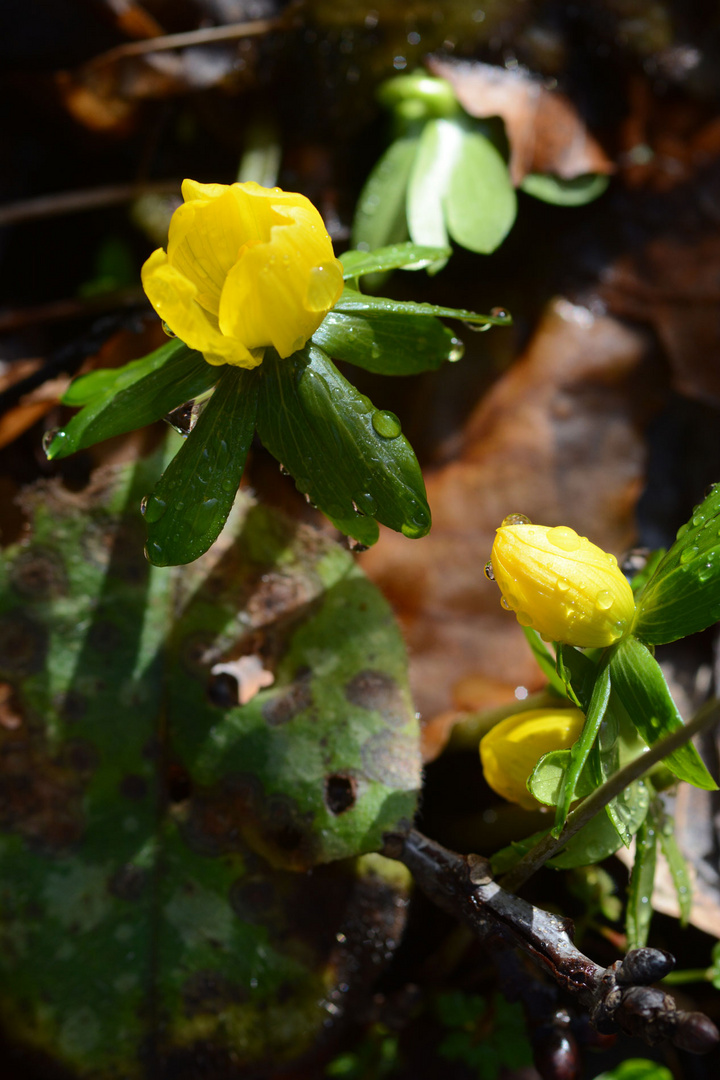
557 439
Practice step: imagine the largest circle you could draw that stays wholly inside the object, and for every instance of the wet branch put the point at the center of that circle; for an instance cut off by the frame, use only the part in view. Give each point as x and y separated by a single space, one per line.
619 996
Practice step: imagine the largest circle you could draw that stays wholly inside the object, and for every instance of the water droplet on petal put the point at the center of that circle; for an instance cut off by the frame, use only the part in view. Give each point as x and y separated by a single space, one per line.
386 424
505 604
489 572
515 519
564 538
524 619
603 600
168 331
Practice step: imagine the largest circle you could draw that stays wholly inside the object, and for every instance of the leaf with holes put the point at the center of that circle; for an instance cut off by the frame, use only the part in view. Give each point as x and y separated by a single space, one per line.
151 826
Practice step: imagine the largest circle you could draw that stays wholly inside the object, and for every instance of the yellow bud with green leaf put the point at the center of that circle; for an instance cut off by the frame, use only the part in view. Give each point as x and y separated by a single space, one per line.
246 267
561 584
511 750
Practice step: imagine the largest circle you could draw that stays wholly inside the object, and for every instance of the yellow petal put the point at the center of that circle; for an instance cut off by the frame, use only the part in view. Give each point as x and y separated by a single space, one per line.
174 298
511 750
562 585
279 292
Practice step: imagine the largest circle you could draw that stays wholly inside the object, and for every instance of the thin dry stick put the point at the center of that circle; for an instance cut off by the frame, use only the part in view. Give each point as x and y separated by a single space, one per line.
549 845
71 202
206 36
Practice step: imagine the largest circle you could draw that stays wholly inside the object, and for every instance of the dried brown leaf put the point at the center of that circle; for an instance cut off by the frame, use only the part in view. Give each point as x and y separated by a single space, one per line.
545 132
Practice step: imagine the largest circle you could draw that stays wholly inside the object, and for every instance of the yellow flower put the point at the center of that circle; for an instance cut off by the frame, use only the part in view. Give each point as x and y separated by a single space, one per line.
511 750
246 267
560 584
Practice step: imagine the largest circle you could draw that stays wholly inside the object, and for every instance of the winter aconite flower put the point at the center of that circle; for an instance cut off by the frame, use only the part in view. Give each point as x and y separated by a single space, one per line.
246 267
511 750
557 582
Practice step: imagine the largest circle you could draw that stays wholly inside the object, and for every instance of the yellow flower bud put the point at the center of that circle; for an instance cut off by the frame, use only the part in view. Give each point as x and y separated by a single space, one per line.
246 267
511 750
561 585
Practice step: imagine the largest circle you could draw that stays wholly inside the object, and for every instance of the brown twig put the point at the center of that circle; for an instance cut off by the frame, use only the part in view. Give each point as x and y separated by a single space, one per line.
71 202
616 997
206 36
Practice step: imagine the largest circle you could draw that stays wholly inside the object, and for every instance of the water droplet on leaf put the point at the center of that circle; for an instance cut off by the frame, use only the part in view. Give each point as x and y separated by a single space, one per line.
49 438
205 514
386 424
152 508
457 350
688 554
499 313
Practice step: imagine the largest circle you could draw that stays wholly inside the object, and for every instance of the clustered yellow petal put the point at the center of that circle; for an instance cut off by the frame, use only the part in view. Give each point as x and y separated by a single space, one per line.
561 584
511 750
246 267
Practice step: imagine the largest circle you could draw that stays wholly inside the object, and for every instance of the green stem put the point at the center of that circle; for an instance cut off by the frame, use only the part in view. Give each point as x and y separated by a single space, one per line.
588 808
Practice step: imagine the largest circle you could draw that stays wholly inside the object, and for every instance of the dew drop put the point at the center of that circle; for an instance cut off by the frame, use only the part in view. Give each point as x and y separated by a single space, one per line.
489 572
228 485
564 538
603 600
205 514
563 585
710 490
152 508
505 604
499 313
366 503
457 350
705 573
168 331
284 470
515 519
49 438
688 554
356 545
375 352
386 424
698 519
681 531
524 619
153 552
185 417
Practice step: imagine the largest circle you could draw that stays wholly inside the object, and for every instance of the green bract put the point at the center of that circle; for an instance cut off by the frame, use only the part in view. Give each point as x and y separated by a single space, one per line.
349 458
683 594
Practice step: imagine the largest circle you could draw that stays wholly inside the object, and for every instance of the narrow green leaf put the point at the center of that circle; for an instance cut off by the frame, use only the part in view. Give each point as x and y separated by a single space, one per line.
353 302
560 192
395 257
677 866
595 841
642 879
328 435
580 751
683 595
599 838
480 204
387 344
138 394
578 674
641 687
544 660
190 503
380 211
